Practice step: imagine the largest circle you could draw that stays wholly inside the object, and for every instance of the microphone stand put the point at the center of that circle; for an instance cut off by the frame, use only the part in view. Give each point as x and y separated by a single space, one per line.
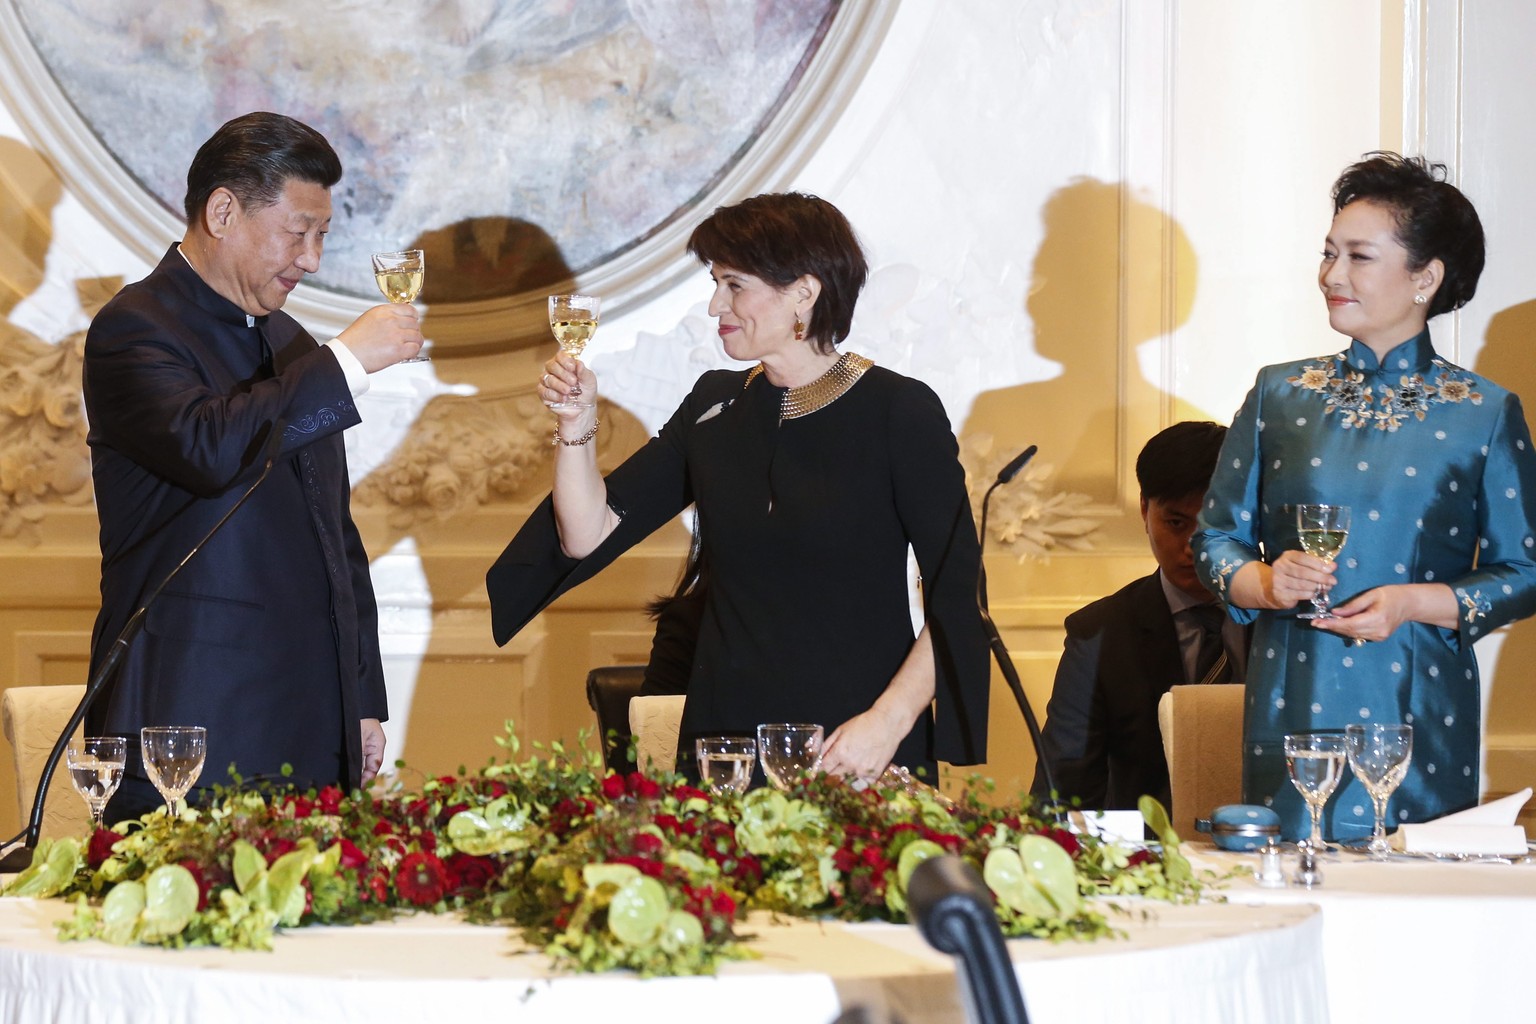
994 638
18 858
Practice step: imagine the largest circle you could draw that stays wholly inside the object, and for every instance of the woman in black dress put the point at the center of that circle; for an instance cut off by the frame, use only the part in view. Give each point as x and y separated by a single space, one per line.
812 473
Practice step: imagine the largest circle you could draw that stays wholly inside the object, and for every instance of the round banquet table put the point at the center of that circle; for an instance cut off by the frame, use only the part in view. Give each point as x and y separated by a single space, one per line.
1412 939
1192 964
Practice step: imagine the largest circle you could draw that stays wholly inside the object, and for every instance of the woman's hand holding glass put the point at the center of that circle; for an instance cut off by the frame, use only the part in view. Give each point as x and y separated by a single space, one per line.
566 378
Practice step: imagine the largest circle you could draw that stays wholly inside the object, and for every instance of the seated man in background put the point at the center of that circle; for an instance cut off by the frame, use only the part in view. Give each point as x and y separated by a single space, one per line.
1124 651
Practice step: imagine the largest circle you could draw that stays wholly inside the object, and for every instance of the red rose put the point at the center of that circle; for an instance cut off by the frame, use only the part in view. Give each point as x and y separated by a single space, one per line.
302 806
1064 839
330 799
351 856
645 842
613 787
275 848
640 786
100 847
471 874
422 879
1139 858
682 791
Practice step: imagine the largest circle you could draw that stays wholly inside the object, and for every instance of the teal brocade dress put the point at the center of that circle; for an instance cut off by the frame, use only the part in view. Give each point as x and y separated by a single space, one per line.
1437 467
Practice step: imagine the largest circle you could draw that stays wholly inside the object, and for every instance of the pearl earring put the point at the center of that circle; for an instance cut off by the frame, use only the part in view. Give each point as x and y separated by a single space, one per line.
1419 300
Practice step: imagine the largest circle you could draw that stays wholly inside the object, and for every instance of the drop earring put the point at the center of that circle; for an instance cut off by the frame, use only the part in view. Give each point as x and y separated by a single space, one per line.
799 328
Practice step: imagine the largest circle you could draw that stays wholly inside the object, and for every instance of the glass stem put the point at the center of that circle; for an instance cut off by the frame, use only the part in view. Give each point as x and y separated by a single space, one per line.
1316 841
1379 831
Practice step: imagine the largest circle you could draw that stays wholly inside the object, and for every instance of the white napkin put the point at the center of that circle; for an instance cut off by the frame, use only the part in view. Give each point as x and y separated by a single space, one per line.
1486 830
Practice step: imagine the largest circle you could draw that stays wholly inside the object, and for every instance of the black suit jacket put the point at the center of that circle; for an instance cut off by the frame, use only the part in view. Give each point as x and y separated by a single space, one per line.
1101 733
269 637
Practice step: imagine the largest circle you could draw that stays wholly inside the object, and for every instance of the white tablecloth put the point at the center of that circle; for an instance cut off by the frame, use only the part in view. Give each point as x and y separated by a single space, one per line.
1179 964
1413 940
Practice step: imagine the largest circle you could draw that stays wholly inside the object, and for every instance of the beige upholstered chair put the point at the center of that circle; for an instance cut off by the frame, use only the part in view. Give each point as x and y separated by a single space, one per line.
32 717
1202 730
654 722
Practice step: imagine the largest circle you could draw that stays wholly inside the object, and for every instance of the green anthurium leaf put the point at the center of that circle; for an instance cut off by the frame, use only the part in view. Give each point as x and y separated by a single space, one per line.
506 813
681 931
913 854
170 900
1003 871
638 909
616 875
120 913
1050 870
285 882
247 863
53 867
328 863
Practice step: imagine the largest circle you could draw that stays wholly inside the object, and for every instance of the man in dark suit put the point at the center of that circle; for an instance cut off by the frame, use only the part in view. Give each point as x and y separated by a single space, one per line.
1124 651
269 637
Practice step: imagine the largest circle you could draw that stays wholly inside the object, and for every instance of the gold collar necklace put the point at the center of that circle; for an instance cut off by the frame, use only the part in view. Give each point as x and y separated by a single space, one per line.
821 392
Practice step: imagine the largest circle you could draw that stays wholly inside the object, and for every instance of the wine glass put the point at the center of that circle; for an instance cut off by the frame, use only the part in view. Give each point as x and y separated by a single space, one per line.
95 769
788 750
400 276
725 763
1315 761
1322 530
173 758
1379 755
573 319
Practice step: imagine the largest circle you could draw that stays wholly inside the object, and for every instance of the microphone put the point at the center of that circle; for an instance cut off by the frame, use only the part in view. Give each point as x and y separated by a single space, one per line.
994 638
18 858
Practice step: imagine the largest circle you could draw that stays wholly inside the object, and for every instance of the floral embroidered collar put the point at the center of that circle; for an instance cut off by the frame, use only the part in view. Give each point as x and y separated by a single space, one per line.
1383 394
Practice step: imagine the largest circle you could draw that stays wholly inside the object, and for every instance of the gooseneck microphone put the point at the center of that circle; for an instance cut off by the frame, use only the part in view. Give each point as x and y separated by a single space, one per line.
19 858
995 640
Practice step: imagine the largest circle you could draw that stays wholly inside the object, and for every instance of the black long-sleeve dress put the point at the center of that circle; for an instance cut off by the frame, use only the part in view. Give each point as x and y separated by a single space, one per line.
805 524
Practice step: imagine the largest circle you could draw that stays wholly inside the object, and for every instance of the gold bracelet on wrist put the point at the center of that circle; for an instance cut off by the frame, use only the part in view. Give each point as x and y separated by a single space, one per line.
583 439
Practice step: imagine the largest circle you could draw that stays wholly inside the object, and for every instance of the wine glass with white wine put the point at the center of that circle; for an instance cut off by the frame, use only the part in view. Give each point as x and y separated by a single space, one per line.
400 276
95 770
573 319
1315 761
1322 530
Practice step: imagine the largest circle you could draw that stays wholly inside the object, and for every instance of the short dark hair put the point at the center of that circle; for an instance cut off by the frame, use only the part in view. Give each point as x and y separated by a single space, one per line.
255 156
1434 220
781 236
1178 461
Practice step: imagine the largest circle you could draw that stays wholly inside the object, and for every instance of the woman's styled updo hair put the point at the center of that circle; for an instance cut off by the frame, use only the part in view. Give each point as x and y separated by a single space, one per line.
781 236
1434 220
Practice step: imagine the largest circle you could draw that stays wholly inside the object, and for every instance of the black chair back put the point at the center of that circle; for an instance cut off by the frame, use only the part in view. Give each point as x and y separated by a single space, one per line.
608 692
952 908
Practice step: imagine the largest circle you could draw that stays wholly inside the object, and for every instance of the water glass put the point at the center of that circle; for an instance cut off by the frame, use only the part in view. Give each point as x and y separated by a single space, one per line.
95 770
788 750
1379 755
725 763
173 759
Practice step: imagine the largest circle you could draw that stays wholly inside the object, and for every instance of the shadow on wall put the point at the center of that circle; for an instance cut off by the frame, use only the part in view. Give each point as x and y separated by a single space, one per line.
485 447
1505 358
1097 283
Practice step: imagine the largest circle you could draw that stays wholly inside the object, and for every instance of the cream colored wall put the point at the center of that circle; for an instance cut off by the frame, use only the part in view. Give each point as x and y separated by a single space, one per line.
1086 219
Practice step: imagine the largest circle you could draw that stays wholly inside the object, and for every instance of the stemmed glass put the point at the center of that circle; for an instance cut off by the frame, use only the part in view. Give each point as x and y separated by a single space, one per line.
1379 755
95 769
788 750
725 763
173 758
1315 761
573 320
1322 530
400 276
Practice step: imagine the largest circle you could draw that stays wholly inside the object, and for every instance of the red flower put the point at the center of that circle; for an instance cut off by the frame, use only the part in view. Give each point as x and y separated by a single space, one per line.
471 874
100 847
275 848
1140 857
1064 839
204 884
330 798
422 879
682 791
613 787
646 842
351 856
302 806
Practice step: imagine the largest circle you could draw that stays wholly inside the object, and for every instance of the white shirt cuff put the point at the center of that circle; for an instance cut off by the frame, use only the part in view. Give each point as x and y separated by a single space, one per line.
351 366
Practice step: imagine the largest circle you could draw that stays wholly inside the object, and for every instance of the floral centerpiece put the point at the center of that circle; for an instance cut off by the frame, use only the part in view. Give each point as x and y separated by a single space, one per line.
644 872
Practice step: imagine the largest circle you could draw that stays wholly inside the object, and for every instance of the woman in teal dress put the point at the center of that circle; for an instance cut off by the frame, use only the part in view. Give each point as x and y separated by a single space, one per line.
1437 466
